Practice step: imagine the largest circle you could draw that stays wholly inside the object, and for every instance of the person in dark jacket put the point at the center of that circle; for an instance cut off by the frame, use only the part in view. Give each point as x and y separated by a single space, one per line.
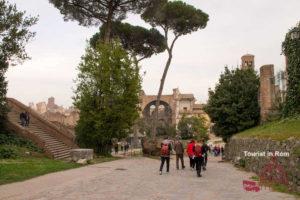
27 118
197 149
165 152
205 149
190 153
178 147
23 119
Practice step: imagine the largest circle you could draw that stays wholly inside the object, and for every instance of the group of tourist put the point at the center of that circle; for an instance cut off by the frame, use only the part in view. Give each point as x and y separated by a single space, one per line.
124 147
24 118
197 152
217 150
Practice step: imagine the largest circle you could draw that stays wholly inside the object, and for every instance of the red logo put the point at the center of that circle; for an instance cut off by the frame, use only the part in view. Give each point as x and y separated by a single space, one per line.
251 186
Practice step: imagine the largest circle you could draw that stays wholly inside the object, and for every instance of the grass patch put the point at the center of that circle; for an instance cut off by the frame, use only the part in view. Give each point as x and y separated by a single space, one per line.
12 170
102 159
277 130
254 178
283 189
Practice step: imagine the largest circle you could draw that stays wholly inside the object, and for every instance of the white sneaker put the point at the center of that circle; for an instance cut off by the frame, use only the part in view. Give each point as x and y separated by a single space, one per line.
160 172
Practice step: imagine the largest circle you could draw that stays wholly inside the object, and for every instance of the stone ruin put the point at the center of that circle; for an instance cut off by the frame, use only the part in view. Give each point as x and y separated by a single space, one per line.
62 117
272 89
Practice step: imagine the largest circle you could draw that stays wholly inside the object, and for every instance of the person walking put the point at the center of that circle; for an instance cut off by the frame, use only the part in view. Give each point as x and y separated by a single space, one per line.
166 148
198 157
205 150
178 147
27 118
190 153
116 147
23 119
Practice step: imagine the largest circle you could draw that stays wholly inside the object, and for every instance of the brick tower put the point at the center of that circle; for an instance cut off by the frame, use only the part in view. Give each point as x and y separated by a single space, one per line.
267 90
247 61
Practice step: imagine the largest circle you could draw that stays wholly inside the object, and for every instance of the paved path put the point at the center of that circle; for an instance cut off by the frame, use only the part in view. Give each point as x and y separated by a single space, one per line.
138 179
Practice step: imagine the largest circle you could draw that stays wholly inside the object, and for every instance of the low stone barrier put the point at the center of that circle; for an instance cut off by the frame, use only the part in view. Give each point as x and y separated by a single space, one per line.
79 154
275 159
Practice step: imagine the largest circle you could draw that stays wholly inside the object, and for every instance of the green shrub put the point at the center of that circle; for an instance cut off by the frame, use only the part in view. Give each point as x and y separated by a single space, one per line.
7 152
242 163
12 139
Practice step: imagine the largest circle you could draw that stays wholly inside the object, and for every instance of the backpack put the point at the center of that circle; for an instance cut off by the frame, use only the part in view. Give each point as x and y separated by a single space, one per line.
165 150
198 151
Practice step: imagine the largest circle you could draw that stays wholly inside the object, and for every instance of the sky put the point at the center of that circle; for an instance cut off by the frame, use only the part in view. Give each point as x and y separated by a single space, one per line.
235 28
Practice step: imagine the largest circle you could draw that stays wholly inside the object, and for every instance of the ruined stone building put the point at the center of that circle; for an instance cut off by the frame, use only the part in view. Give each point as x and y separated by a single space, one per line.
172 106
272 89
57 114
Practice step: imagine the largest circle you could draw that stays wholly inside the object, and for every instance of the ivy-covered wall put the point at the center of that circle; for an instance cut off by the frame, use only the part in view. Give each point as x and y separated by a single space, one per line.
291 49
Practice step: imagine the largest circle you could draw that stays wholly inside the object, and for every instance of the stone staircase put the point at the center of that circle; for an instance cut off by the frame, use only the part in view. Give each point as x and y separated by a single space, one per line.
46 135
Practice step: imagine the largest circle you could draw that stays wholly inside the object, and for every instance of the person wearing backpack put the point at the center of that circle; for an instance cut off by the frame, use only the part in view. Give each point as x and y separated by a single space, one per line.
178 147
166 148
190 153
198 157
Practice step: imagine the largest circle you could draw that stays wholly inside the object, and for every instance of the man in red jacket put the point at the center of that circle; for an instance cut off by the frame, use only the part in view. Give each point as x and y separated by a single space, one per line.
190 153
198 156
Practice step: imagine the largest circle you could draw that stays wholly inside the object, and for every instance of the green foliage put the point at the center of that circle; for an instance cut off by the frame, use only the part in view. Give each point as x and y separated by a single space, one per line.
192 127
136 40
14 140
107 96
233 106
177 16
14 35
92 13
291 49
7 152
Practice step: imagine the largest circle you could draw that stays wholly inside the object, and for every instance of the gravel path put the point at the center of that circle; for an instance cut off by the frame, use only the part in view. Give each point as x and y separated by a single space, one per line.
138 179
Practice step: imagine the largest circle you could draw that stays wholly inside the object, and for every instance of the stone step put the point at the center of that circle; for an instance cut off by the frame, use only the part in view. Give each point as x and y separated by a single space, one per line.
62 154
56 147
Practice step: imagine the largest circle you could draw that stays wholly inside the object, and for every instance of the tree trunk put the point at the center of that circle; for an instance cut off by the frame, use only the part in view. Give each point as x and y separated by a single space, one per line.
108 24
161 87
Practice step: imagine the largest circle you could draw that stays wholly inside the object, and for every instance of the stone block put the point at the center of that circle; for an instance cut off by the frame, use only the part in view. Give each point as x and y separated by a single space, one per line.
77 154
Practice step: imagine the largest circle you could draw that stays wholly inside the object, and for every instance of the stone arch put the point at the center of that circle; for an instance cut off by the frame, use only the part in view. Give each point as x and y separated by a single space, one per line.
164 112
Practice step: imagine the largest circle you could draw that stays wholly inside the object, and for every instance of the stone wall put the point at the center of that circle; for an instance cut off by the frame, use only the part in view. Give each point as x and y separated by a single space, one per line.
234 151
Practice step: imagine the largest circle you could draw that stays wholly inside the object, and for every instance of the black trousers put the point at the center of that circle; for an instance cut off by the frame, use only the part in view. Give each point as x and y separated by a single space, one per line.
163 160
198 162
179 156
204 160
192 162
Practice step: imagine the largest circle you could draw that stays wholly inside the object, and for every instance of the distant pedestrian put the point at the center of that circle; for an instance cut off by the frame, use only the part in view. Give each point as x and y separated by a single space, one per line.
23 119
178 147
126 146
198 157
190 153
27 118
116 147
166 148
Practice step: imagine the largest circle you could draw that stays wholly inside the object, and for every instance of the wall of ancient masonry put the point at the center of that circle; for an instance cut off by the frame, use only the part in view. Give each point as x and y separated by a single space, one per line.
267 91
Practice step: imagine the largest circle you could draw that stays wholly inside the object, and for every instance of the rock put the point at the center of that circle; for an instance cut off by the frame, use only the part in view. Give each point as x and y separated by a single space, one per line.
82 161
77 154
151 147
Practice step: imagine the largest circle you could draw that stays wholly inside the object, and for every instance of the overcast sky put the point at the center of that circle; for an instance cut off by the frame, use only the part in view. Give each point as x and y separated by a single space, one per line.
236 27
